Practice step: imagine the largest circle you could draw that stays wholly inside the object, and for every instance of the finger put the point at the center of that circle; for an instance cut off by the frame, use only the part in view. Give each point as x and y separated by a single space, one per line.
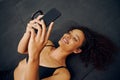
39 31
35 25
32 21
39 17
49 30
43 27
37 21
43 30
32 34
29 25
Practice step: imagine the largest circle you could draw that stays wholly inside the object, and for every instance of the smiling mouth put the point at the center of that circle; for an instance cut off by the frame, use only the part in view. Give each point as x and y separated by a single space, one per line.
65 40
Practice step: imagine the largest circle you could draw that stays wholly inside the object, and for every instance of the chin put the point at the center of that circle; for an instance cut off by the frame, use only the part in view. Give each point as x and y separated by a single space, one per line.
59 43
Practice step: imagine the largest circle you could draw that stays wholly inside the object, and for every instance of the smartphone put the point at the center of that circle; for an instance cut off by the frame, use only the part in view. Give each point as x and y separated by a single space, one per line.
51 16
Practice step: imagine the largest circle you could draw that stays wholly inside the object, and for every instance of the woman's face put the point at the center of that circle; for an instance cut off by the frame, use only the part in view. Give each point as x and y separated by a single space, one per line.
72 40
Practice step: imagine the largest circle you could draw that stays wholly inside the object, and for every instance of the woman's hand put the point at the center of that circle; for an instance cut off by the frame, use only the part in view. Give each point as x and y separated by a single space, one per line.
38 40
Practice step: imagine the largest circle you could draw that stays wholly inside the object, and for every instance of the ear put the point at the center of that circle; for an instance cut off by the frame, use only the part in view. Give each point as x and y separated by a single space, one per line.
76 51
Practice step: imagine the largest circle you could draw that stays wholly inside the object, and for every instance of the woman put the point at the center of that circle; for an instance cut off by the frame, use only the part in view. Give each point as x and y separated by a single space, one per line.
45 62
43 54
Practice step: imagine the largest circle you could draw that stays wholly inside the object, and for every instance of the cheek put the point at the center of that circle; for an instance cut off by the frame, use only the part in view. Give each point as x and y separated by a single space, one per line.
74 45
71 46
67 47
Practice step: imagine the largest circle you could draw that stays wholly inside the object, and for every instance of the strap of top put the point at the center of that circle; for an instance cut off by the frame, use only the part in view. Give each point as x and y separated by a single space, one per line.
61 67
49 45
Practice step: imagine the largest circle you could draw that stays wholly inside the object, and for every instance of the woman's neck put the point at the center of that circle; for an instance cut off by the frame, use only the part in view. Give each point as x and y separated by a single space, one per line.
59 54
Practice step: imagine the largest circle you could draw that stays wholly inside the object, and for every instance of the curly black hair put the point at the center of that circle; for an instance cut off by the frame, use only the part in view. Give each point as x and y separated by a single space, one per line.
96 49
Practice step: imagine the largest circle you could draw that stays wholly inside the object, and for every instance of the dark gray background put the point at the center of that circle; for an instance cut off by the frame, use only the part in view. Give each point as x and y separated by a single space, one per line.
102 16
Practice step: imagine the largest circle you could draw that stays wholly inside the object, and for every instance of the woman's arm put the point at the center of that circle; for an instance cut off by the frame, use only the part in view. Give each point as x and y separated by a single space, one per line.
23 44
35 46
31 71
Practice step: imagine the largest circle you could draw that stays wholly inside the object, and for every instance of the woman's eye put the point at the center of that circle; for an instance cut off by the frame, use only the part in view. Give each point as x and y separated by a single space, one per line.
74 38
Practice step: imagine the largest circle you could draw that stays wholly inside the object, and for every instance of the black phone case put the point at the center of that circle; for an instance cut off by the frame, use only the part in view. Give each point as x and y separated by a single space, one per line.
51 16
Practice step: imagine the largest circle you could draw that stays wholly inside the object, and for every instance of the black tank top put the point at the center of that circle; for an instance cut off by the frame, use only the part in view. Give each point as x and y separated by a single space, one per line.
45 72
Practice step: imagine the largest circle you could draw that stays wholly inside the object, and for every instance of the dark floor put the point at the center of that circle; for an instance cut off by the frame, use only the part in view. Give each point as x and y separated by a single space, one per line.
100 15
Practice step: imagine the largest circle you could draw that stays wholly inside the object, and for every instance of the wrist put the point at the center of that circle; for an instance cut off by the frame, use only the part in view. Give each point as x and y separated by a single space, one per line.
33 59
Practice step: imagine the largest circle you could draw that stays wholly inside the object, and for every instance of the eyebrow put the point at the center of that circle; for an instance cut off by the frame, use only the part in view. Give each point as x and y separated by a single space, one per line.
76 36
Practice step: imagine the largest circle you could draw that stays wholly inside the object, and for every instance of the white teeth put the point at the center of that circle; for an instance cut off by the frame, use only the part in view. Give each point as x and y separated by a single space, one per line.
65 40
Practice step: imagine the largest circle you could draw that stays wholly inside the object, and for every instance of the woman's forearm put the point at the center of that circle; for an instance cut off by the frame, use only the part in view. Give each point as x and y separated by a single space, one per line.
32 71
23 44
36 45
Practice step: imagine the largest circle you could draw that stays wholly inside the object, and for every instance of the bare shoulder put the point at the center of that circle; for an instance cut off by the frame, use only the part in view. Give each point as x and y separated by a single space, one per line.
50 43
63 72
